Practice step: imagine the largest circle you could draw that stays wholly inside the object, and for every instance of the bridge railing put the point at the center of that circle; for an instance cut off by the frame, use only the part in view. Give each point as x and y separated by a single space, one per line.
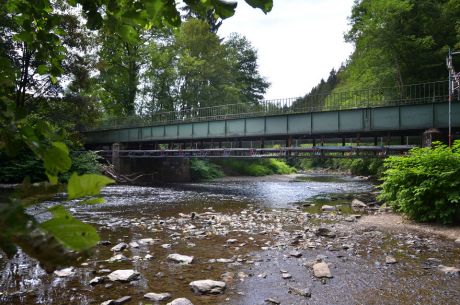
432 92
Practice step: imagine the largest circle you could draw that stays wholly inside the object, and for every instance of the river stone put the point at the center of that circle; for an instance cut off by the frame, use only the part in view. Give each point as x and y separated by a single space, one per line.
457 241
328 208
180 301
390 260
295 253
322 231
117 258
108 302
208 287
119 247
321 270
146 241
272 301
225 260
97 280
157 297
133 244
126 275
286 276
302 292
65 272
449 270
181 259
232 241
358 205
122 300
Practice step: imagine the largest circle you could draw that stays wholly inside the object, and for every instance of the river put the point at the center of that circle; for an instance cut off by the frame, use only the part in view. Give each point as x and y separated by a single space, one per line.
244 231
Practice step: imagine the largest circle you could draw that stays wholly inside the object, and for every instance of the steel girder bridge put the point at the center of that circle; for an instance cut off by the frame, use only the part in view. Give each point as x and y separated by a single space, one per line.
371 113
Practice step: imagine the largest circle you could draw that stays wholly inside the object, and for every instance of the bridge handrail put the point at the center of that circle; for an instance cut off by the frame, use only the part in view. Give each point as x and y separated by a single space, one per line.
420 93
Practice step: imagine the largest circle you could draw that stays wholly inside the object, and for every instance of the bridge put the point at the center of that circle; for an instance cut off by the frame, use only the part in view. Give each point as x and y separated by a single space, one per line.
354 116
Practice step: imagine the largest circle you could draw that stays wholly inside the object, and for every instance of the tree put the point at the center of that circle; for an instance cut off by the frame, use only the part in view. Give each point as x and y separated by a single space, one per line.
243 58
33 29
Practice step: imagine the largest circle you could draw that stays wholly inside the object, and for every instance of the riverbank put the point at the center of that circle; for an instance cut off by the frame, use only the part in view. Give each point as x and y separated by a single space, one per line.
263 239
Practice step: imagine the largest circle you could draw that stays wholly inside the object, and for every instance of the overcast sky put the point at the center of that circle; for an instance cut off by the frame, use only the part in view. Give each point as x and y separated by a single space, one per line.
298 42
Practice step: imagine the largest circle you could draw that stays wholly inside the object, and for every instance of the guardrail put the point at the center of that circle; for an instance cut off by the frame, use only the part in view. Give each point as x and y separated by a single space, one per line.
364 98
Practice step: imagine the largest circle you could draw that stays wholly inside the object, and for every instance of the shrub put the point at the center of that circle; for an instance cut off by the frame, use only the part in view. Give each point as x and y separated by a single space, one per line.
425 184
204 170
257 167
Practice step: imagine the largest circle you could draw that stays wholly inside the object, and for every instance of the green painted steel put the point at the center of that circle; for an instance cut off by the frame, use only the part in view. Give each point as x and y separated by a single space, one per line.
388 119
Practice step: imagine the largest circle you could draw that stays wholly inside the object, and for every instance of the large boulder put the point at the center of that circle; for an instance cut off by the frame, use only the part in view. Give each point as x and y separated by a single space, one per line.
208 287
358 205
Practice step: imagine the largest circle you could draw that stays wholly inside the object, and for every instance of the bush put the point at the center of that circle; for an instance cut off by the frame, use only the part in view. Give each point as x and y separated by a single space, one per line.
425 184
365 167
257 167
26 165
204 170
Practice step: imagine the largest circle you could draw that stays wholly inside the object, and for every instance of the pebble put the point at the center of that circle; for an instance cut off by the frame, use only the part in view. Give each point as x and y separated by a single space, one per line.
133 244
449 270
65 272
122 300
295 254
181 259
120 247
232 241
328 208
286 276
208 287
300 292
390 260
97 280
180 301
126 275
117 258
157 297
321 270
272 301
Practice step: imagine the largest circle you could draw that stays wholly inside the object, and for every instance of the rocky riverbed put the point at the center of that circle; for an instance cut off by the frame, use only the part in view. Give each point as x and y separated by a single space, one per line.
302 240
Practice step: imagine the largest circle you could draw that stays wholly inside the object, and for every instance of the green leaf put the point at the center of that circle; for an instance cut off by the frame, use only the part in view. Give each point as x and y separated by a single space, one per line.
97 200
24 36
127 33
265 5
42 69
86 185
224 9
71 232
56 160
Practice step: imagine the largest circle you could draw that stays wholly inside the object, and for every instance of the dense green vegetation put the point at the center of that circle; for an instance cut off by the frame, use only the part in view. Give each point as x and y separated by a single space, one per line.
204 170
361 167
257 167
425 185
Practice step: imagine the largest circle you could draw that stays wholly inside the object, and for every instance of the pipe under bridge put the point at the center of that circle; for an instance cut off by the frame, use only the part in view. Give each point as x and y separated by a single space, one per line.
378 112
281 152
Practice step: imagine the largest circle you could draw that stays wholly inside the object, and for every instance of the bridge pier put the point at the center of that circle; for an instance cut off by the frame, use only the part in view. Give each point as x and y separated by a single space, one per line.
150 170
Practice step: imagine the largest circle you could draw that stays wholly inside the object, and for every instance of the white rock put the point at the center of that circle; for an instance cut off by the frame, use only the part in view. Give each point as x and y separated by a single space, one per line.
328 208
286 276
181 259
321 270
148 257
208 287
117 258
225 260
390 260
457 241
65 272
166 246
449 270
358 205
146 241
119 247
157 297
133 244
180 301
97 280
109 302
123 275
231 241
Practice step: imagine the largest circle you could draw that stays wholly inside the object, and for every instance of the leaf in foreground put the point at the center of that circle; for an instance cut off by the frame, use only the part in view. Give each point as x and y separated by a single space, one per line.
86 185
70 231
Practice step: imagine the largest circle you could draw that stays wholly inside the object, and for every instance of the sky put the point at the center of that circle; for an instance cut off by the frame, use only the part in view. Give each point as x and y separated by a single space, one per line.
298 42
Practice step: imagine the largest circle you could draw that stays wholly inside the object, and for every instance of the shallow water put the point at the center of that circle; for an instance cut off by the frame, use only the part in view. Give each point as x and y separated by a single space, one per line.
134 212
